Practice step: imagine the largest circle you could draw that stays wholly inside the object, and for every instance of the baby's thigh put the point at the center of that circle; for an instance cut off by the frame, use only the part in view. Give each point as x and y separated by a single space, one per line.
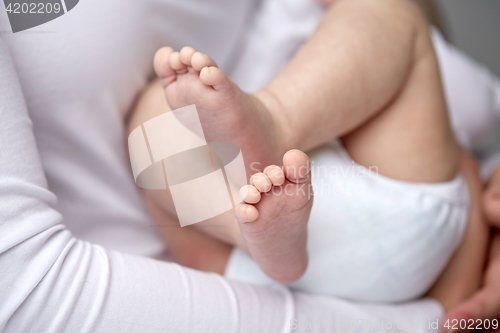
410 138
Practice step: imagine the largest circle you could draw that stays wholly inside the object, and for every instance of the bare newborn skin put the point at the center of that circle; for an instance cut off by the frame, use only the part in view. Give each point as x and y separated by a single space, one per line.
274 223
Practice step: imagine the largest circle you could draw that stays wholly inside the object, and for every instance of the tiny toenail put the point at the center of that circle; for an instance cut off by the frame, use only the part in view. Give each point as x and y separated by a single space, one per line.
255 177
277 172
244 192
267 168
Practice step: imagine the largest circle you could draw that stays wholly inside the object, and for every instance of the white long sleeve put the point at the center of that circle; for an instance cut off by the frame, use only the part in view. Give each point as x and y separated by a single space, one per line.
52 282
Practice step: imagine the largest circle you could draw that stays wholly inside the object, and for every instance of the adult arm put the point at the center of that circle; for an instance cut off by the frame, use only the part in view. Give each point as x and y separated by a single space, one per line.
484 304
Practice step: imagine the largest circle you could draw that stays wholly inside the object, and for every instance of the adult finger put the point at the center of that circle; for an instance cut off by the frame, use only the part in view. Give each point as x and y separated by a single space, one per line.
485 304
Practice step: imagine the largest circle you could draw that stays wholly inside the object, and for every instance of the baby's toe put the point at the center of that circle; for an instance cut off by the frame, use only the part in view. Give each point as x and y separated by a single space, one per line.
246 213
296 166
215 77
261 182
200 61
250 194
176 63
186 55
162 65
275 174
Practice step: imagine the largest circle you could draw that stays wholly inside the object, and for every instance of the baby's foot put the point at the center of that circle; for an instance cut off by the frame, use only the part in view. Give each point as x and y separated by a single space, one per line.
273 221
491 199
226 113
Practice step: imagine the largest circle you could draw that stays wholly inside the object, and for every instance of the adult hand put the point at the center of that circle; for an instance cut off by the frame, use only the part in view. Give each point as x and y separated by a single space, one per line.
483 307
464 274
485 303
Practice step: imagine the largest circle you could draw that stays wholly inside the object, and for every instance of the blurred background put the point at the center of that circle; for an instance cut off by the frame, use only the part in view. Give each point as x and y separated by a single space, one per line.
474 27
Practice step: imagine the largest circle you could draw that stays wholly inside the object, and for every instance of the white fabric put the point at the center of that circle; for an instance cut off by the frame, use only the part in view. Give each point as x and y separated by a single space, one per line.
67 197
371 238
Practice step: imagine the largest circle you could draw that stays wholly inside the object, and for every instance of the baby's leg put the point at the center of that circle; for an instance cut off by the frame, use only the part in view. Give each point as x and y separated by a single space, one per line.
369 75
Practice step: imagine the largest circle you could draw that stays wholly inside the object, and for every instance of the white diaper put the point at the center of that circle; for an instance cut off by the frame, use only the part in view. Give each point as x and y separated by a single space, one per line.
371 238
